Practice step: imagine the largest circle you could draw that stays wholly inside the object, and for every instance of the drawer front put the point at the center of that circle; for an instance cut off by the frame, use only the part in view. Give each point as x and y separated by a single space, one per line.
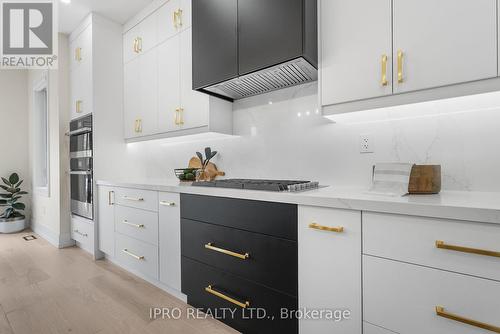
413 239
271 261
83 232
136 223
276 219
137 198
137 256
330 267
197 277
403 298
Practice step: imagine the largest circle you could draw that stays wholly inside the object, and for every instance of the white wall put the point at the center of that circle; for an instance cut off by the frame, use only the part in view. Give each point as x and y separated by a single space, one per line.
462 134
50 217
14 126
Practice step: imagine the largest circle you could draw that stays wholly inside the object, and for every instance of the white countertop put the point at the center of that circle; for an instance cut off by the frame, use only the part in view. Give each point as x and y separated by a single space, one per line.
461 205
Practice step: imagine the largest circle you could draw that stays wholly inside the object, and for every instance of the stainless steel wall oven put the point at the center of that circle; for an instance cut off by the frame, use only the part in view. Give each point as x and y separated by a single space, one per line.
81 167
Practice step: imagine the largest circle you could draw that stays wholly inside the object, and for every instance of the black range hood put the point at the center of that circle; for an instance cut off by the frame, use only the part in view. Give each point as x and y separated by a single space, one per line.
243 48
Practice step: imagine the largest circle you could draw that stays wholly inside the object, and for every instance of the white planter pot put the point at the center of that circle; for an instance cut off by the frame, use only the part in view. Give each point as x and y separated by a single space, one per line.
12 225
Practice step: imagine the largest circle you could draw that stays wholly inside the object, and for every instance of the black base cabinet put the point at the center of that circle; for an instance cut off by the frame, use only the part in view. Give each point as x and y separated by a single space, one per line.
240 262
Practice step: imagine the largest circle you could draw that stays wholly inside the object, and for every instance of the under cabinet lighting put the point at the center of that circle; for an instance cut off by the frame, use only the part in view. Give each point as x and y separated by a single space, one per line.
66 1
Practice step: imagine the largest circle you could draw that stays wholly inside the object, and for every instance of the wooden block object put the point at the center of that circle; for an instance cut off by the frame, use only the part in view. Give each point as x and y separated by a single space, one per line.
211 171
425 179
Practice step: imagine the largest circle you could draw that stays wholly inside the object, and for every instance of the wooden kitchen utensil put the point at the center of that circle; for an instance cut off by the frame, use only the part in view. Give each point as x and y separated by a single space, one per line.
210 172
425 179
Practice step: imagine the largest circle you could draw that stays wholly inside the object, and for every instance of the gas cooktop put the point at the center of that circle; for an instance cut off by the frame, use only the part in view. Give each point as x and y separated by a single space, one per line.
268 185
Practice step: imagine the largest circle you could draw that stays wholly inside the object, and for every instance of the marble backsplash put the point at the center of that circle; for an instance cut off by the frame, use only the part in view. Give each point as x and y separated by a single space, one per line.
282 135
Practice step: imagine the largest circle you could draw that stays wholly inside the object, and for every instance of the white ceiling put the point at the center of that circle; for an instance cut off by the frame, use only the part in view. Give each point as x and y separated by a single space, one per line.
120 11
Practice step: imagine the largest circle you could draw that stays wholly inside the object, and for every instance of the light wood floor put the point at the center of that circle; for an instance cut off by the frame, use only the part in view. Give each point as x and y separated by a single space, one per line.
48 290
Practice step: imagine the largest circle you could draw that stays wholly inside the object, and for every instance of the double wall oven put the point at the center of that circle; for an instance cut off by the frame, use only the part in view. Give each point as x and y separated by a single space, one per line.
81 167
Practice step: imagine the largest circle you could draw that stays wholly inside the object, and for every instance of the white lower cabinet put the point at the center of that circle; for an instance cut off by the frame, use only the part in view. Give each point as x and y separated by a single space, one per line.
105 218
170 240
138 224
137 256
82 231
411 299
372 329
329 242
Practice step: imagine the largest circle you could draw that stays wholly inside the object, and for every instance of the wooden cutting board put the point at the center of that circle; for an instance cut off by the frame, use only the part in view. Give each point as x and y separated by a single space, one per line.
211 171
425 179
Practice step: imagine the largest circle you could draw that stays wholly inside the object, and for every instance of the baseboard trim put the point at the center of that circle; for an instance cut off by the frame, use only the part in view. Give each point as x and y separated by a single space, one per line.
55 239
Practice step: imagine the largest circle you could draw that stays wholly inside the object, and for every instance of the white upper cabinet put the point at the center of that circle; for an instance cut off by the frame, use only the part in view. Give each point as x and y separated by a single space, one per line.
356 50
194 105
444 42
81 73
168 84
159 99
369 57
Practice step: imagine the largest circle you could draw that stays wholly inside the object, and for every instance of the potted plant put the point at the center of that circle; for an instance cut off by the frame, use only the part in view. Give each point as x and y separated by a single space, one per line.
11 220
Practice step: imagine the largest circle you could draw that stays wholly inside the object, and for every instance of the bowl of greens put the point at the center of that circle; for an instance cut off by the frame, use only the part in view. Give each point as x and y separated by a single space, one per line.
186 174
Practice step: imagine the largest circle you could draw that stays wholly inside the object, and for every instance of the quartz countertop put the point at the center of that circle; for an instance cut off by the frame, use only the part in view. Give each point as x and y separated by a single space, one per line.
461 205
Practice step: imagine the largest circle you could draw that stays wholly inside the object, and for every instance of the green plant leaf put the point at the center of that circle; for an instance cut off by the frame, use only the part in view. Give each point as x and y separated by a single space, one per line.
3 201
13 190
15 198
200 156
6 181
4 187
19 206
14 178
6 195
20 182
22 193
7 213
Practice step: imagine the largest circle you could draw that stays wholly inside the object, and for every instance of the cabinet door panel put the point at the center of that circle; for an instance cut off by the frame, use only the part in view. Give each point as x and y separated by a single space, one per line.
444 42
186 19
195 105
149 91
215 47
170 240
129 38
148 32
351 54
168 83
330 268
268 32
105 216
132 100
165 25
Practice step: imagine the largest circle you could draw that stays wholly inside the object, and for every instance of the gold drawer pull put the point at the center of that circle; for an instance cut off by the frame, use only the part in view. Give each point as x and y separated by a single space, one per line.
78 106
134 225
227 252
384 70
78 54
315 226
400 66
442 313
440 244
137 257
165 203
136 199
210 290
110 194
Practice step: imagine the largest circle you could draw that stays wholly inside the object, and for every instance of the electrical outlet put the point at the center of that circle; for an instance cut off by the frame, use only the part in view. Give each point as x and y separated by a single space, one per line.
366 144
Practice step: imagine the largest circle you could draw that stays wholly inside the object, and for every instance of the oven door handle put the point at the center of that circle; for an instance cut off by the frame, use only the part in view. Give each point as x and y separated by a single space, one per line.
82 172
79 131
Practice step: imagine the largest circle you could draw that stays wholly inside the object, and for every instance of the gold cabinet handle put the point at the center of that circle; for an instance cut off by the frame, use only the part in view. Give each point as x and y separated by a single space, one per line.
179 14
137 257
178 18
210 290
400 66
78 106
165 203
442 245
442 313
138 126
176 120
78 54
384 70
110 201
80 233
133 225
135 199
135 45
227 252
181 116
139 44
176 25
316 226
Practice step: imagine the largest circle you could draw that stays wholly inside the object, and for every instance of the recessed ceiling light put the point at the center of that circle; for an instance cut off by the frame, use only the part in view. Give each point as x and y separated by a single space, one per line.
66 1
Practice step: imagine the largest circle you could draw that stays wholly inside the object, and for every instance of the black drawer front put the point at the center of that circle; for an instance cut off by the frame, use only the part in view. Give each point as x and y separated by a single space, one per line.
276 219
272 261
198 276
